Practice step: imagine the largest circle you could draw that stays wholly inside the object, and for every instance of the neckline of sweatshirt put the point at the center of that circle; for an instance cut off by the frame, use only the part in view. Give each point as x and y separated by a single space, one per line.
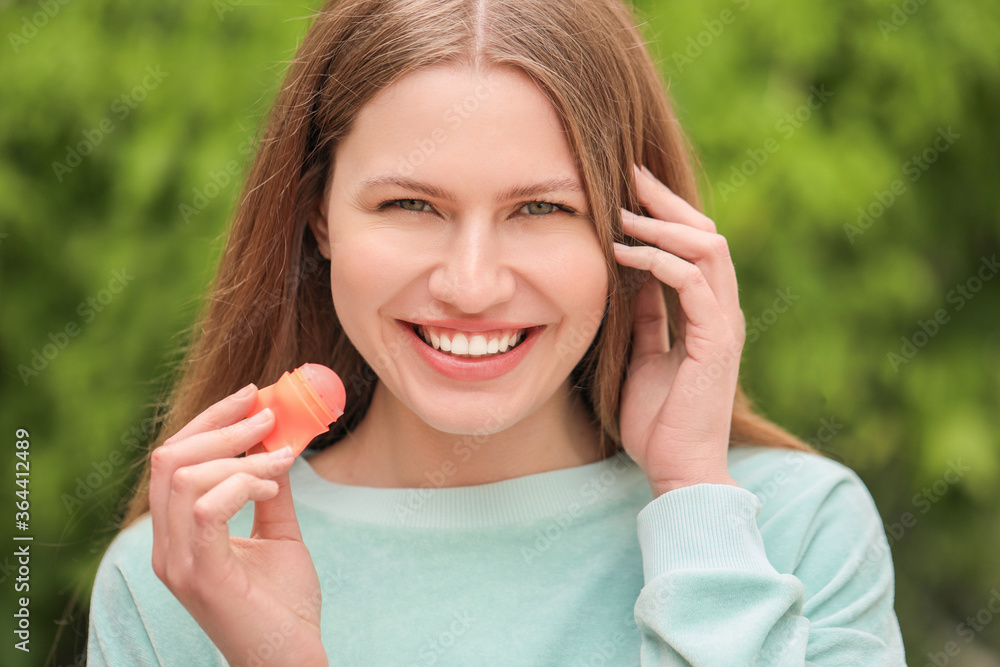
567 491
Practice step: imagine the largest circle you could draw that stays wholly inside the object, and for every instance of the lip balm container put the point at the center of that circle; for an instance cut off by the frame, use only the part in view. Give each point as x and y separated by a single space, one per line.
305 402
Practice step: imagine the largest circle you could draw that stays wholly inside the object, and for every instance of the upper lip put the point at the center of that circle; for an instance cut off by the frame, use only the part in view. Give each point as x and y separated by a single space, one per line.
471 325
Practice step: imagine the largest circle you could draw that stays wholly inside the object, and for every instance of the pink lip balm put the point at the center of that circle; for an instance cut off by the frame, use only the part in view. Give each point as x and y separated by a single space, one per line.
305 402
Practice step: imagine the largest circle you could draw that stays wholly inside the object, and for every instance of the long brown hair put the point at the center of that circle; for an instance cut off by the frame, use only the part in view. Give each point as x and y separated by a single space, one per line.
270 308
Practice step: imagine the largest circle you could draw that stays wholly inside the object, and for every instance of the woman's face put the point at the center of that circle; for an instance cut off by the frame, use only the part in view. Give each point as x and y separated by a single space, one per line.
456 218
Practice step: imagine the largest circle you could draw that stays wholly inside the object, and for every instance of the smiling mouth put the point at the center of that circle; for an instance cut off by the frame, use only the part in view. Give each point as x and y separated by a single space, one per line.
471 344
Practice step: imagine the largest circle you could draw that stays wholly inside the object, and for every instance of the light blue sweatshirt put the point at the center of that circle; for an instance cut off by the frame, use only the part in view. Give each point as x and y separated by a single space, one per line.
574 567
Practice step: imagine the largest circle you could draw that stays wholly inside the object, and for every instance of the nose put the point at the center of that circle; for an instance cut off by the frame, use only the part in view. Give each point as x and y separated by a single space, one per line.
473 272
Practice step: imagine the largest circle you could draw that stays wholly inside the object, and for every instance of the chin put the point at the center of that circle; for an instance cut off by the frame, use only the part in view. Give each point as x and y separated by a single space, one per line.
474 418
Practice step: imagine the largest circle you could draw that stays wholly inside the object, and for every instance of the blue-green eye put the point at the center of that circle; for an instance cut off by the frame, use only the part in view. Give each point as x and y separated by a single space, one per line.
534 208
415 205
540 207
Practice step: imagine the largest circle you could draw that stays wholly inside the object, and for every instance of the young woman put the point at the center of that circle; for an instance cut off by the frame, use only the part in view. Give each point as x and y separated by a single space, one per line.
546 458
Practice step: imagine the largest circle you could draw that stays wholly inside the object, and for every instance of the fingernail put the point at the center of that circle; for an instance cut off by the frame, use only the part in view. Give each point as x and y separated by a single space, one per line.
245 391
261 417
284 452
621 246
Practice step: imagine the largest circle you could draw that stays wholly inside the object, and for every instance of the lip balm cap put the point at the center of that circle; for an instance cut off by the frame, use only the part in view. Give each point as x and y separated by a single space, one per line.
327 386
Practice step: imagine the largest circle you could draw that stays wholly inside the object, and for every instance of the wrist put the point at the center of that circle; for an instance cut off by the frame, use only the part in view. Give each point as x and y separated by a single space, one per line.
309 658
663 486
284 647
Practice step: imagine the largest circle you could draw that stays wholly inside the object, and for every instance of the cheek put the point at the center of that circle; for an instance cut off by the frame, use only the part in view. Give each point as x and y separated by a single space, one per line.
360 283
578 287
584 318
573 272
349 268
367 263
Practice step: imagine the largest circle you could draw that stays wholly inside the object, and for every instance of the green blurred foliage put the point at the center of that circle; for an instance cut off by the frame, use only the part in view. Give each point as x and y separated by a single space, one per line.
804 116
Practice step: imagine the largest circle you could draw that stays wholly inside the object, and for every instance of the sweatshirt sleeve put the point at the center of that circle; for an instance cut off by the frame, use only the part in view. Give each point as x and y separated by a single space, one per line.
117 635
134 619
712 596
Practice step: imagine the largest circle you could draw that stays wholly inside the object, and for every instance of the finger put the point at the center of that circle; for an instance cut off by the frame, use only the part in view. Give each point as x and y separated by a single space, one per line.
190 483
706 325
228 411
166 460
663 203
223 442
650 334
198 479
275 517
208 537
709 252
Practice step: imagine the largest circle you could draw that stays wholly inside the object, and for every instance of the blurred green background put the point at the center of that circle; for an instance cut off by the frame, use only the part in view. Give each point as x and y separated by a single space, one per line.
849 151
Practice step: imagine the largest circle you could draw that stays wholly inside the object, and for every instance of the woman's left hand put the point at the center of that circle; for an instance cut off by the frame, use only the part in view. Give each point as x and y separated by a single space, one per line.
677 402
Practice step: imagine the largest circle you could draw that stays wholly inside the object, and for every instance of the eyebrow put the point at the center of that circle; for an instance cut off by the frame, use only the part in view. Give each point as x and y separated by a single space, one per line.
530 190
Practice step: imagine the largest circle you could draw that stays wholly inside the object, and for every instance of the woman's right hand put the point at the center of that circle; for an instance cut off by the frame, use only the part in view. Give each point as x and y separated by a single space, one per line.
257 598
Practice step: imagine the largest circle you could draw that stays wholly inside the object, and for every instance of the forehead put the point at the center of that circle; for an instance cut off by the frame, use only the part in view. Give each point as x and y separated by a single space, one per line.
475 124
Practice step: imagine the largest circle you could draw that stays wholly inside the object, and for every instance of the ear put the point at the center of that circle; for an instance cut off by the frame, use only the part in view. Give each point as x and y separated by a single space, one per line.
318 224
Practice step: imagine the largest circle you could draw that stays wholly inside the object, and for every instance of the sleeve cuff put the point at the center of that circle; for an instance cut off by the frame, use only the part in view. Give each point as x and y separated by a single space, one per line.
702 527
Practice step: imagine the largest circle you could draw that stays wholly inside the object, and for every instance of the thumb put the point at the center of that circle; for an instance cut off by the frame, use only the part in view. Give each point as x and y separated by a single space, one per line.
650 336
274 519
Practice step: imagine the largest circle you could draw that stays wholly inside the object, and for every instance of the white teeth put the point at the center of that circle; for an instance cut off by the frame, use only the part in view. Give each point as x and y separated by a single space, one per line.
471 344
478 346
459 344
